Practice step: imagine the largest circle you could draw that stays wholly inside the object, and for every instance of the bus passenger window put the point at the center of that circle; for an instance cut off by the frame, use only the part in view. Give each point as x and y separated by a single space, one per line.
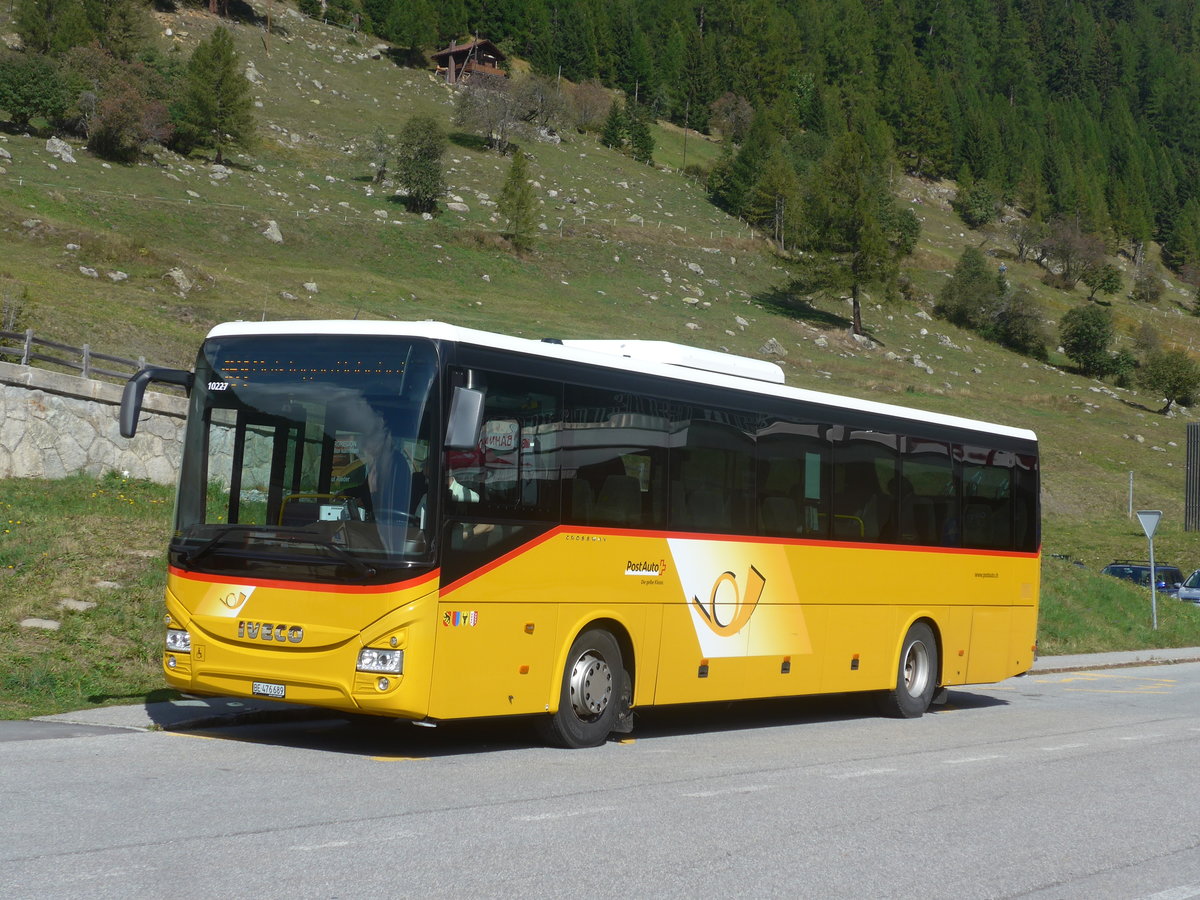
712 472
793 470
614 456
987 504
929 503
864 467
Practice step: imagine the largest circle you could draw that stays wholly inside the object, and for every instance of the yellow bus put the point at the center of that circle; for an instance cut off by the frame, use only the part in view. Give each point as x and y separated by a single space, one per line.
428 522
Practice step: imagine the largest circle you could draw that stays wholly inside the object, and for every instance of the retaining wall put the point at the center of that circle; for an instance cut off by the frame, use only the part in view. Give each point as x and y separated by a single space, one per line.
53 425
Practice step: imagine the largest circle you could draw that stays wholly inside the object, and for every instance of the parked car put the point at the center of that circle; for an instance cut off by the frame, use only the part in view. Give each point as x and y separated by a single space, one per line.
1168 579
1190 589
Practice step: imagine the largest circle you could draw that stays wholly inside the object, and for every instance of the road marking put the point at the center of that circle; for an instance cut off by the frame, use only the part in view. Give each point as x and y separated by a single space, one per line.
704 795
1139 737
862 773
973 759
1183 892
1064 747
399 759
570 814
332 845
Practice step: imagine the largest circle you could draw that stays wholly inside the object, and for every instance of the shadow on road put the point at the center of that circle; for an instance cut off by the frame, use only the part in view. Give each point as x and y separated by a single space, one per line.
371 736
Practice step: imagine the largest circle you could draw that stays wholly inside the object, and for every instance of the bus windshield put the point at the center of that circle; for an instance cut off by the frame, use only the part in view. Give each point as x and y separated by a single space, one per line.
306 459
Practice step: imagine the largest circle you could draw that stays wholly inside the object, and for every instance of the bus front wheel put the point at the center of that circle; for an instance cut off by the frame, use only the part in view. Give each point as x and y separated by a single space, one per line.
916 676
591 694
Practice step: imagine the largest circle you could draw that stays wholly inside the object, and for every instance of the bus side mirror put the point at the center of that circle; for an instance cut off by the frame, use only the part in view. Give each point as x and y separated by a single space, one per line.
135 390
466 417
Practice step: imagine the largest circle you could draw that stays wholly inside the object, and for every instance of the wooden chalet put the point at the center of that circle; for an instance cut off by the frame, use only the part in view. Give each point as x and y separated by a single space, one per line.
459 61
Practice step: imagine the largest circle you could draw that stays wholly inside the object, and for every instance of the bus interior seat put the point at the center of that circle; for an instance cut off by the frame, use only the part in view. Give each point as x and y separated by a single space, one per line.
581 500
706 509
779 516
620 501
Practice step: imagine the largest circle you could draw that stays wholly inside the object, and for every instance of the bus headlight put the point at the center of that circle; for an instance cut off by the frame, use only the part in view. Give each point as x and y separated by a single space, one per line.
372 660
178 641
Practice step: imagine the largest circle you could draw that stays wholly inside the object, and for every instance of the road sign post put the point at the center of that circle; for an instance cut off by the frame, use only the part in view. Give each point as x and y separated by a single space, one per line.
1149 519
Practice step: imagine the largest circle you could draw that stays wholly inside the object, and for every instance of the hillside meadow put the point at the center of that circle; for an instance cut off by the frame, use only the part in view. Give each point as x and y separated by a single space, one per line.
623 250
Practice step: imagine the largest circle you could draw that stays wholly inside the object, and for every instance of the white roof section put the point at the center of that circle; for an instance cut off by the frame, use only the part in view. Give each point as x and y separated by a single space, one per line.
656 358
687 357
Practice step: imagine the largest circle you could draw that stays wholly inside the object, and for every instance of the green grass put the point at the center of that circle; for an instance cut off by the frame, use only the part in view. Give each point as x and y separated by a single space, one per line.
616 258
93 540
1083 612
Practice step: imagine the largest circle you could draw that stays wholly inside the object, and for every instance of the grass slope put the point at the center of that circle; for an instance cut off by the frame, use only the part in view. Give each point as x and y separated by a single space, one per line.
625 250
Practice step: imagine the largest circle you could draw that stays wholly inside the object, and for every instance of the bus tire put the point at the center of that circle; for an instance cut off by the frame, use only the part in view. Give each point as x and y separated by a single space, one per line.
916 676
590 697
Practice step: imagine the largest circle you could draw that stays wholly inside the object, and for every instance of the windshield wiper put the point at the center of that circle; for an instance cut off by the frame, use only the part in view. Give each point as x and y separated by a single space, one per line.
191 556
363 570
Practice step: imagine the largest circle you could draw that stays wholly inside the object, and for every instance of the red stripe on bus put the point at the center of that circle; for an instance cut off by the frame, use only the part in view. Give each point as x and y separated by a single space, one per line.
318 587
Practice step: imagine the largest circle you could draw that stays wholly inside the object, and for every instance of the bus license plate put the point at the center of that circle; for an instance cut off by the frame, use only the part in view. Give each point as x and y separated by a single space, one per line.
266 689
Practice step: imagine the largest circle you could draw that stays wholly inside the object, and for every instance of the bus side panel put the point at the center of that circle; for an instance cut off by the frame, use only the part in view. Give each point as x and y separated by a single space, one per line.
492 659
859 648
991 642
955 628
503 633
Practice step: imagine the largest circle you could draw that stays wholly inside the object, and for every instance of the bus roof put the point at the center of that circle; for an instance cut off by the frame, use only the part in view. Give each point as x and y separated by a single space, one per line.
656 358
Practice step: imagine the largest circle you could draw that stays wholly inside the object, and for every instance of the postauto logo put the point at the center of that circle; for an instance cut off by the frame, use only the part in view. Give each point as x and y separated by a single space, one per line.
644 567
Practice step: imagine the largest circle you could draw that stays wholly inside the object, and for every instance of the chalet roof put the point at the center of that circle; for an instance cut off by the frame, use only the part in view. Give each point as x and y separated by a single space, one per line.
480 45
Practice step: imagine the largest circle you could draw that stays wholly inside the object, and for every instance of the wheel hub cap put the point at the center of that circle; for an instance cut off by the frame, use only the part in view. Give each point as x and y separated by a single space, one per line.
591 685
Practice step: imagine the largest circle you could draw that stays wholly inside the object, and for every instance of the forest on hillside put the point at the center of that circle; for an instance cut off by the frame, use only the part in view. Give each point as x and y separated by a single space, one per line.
1084 115
1086 110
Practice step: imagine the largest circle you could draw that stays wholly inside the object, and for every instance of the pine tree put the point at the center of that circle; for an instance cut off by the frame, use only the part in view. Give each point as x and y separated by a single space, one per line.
518 204
216 109
52 26
616 126
971 296
641 142
854 219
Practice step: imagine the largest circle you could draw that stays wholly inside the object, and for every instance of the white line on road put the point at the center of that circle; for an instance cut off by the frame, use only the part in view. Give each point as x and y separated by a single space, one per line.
332 845
549 816
973 759
746 790
862 773
1183 892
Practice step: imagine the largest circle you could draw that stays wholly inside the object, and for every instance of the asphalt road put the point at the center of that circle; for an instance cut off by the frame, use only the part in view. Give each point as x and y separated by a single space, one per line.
1078 784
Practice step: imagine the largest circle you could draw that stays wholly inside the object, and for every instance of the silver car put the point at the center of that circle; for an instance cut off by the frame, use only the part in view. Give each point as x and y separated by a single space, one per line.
1190 589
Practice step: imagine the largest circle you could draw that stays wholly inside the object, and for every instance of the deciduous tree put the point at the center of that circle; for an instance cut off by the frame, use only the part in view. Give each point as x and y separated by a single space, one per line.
420 146
1086 333
1173 375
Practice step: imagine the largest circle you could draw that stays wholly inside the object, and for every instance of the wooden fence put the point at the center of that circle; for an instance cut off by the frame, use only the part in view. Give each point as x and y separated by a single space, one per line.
25 349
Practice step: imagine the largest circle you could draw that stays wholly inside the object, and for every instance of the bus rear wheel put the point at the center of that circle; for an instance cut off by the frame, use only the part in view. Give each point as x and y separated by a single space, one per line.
916 676
591 694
